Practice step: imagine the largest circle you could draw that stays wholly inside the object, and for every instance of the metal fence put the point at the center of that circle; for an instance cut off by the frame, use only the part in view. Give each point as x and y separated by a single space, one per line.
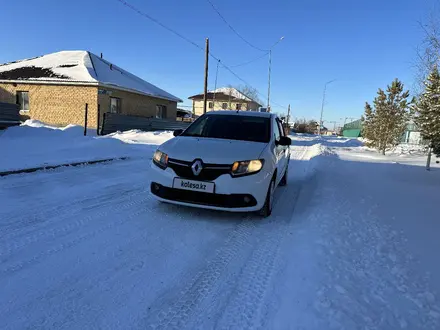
9 115
114 122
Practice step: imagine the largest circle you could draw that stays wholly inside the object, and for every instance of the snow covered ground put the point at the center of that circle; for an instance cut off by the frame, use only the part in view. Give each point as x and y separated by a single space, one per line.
352 244
35 144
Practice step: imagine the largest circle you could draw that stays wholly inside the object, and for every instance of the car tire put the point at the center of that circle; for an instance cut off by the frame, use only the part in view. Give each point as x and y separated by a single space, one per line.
266 210
283 181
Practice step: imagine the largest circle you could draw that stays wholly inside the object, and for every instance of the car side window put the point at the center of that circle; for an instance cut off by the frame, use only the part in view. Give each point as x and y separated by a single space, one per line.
280 126
276 130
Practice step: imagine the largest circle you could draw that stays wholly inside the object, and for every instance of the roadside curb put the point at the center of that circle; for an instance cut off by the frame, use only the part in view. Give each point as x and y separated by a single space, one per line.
50 167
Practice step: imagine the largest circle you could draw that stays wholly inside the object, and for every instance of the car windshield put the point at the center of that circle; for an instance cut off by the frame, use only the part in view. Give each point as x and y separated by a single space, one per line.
233 127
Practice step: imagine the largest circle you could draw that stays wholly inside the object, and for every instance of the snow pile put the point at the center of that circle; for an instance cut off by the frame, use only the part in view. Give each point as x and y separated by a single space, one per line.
410 149
140 137
35 144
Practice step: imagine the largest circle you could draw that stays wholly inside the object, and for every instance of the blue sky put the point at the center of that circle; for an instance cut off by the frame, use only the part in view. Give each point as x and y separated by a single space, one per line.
362 44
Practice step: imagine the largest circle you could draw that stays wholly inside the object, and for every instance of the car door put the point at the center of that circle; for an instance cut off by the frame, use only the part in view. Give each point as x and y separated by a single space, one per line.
278 150
285 157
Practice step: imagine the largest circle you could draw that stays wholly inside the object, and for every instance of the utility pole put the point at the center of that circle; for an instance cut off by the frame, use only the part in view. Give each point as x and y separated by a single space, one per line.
270 70
288 114
205 90
268 83
334 124
322 106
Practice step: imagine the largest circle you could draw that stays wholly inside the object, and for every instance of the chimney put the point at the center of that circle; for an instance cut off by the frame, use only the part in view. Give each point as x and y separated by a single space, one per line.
101 55
111 66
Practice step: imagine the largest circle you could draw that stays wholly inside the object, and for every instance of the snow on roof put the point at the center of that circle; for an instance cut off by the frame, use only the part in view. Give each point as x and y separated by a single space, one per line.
226 91
79 67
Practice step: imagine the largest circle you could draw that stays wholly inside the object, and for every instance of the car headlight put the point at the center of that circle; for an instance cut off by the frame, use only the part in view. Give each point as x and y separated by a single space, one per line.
247 167
160 159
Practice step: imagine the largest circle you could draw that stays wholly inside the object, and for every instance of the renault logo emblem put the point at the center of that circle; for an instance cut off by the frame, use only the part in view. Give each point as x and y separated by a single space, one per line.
197 167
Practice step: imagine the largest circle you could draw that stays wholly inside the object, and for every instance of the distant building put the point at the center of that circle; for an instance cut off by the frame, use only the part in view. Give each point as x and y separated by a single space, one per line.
54 88
352 129
411 135
225 98
184 115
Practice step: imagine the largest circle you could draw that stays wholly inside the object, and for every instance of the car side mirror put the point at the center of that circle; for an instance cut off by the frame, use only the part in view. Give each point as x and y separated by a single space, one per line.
284 141
177 132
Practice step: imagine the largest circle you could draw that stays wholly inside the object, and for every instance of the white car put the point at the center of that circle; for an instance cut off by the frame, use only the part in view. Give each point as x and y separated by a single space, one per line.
225 160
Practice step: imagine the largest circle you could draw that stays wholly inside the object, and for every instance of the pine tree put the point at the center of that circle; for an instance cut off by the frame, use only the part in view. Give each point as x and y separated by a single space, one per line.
384 125
428 111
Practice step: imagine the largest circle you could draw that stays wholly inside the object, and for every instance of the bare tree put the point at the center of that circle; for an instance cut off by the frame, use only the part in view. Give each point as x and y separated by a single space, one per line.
428 52
250 92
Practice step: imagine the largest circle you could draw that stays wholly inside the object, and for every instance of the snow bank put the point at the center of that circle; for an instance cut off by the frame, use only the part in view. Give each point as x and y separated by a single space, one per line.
140 137
35 144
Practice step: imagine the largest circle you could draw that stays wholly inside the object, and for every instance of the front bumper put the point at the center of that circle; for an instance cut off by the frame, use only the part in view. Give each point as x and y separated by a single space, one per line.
242 194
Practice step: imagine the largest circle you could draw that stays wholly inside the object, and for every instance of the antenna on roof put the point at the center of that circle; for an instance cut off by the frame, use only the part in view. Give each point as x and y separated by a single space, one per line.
101 55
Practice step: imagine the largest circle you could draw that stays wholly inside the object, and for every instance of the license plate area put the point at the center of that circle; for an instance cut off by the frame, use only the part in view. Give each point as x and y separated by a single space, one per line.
192 185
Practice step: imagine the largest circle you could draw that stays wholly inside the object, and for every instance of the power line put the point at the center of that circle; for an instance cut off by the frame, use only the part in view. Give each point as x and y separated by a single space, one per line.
232 28
249 62
128 5
125 3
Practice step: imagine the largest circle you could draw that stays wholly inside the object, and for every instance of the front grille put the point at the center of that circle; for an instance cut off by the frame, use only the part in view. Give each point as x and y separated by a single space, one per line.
195 197
209 172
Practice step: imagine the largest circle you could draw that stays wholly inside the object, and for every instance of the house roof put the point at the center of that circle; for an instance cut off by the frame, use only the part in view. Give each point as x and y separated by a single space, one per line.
225 93
79 67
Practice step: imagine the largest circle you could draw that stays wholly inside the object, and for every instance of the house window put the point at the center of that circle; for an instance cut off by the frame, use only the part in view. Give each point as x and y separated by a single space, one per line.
23 100
161 111
224 106
211 105
115 105
238 106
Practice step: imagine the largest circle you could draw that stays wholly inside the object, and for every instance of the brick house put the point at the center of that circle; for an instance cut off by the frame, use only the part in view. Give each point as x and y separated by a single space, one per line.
224 98
54 88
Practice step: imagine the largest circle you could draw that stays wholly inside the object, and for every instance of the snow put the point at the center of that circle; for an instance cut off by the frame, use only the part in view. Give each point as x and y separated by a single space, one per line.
352 244
121 78
86 67
35 144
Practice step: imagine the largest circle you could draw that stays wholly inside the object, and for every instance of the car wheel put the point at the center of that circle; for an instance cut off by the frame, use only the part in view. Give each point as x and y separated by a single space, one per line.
283 181
266 210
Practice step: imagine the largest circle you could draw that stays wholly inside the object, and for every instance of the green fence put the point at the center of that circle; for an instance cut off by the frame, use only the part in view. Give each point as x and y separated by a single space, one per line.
351 133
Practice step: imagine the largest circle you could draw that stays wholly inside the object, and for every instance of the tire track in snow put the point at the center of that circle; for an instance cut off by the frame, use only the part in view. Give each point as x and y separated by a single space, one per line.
14 227
244 299
253 281
40 220
12 244
126 255
19 265
243 310
202 284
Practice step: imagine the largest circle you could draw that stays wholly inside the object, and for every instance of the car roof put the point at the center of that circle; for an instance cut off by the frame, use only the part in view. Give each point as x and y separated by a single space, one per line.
240 113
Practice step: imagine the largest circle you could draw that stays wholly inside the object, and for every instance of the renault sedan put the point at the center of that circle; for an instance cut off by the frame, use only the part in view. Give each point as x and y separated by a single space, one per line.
225 160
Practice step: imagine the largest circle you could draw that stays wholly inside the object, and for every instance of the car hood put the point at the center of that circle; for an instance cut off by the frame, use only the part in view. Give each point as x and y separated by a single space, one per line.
211 151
